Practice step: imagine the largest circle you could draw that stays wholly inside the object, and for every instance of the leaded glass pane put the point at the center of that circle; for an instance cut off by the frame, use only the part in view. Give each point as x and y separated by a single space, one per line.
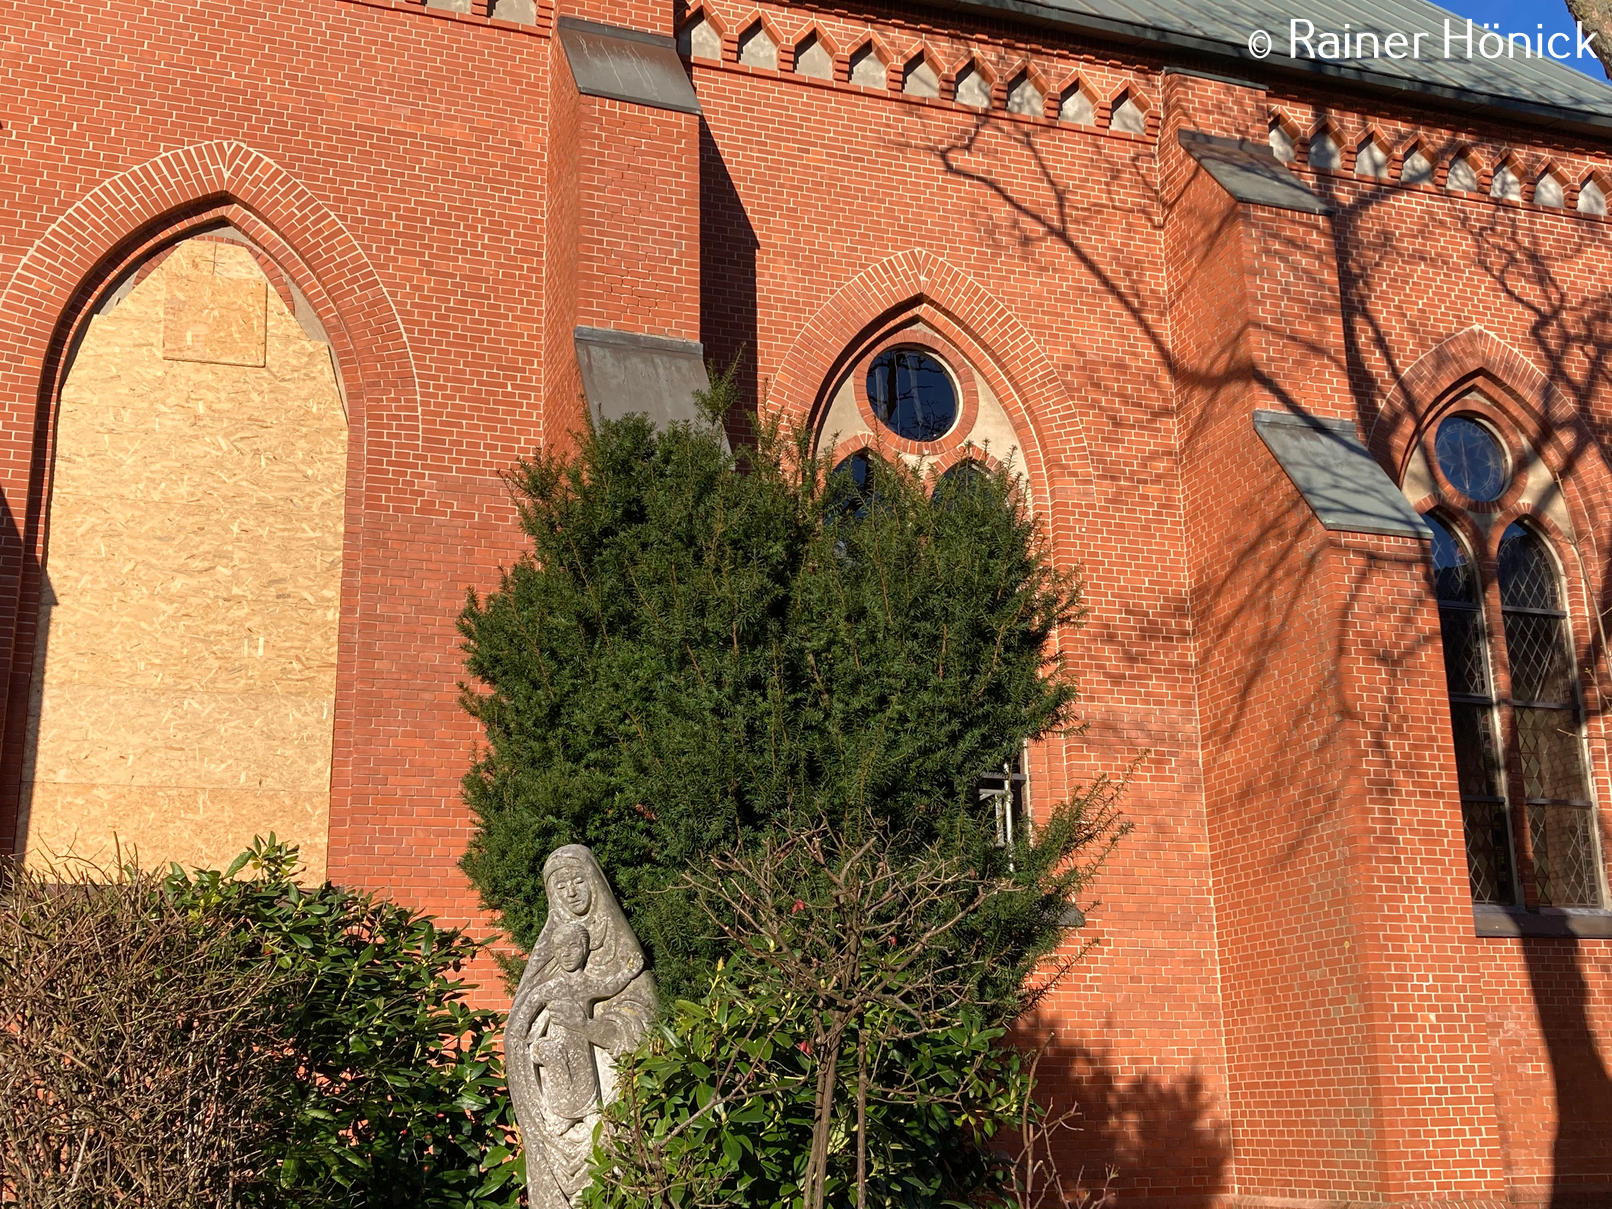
1527 578
1488 851
1463 651
1452 569
965 477
1564 855
1471 458
1477 755
1541 669
1551 755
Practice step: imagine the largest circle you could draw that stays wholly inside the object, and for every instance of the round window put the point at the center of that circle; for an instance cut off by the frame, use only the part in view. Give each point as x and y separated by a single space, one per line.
1472 458
912 393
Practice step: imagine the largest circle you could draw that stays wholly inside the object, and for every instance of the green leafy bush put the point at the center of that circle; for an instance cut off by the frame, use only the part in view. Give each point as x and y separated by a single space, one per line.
392 1094
718 1110
217 1039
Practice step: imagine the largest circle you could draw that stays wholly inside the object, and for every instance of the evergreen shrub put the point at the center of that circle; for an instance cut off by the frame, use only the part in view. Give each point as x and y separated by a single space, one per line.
703 649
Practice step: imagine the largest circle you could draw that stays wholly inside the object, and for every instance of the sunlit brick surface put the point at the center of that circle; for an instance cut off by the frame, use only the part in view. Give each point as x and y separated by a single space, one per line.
1286 1003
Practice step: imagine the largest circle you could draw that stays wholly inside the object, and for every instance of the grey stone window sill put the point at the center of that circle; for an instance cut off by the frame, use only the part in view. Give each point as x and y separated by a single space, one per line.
1581 922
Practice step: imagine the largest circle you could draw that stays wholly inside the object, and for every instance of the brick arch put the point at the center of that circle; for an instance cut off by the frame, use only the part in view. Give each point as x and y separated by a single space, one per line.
49 298
920 284
50 295
1541 409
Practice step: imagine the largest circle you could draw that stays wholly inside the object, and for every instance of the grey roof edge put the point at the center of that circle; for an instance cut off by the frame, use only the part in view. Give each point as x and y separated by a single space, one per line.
661 82
1395 519
1251 173
660 344
1443 96
630 372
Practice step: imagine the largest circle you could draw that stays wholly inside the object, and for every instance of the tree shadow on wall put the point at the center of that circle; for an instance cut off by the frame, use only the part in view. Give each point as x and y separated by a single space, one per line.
1582 1153
1027 211
1144 1135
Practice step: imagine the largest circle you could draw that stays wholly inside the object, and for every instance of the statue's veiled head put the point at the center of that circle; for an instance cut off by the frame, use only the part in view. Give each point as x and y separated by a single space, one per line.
568 884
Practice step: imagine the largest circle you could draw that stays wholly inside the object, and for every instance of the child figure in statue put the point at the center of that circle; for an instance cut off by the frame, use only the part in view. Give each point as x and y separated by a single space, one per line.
584 1000
562 1048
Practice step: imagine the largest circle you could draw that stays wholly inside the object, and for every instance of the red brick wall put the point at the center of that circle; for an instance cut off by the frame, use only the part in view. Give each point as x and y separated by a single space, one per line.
385 157
1286 999
1419 268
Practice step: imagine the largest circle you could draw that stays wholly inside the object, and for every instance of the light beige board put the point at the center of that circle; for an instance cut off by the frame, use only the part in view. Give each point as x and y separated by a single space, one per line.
184 695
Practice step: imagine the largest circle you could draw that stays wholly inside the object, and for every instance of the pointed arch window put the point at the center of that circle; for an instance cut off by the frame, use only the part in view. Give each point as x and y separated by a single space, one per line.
1548 721
1473 722
1516 714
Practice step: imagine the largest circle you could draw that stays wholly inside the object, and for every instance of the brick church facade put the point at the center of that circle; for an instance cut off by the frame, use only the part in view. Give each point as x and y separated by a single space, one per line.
284 288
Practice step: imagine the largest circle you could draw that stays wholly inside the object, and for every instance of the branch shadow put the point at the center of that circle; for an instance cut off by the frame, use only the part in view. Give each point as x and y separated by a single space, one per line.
1144 1135
1147 1122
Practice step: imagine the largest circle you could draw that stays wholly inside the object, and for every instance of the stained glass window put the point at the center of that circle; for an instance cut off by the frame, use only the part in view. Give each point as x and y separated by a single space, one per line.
850 486
965 476
1521 763
1478 765
1548 721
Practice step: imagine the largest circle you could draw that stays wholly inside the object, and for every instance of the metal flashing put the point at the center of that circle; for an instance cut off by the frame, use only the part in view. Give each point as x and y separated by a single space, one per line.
624 372
626 65
1251 173
1338 478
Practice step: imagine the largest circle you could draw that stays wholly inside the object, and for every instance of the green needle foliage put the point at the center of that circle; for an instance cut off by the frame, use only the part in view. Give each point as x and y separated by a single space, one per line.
703 649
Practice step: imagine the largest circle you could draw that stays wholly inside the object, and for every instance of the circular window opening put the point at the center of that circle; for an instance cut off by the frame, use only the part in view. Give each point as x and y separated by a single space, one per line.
1472 458
912 393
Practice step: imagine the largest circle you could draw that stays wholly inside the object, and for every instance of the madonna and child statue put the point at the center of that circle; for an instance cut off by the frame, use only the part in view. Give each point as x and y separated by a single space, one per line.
584 1000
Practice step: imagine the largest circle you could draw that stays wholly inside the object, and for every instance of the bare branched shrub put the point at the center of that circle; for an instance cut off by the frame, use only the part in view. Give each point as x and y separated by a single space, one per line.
134 1051
847 1056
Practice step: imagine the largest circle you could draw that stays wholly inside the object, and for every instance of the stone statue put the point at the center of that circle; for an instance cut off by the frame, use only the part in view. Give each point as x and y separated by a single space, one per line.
584 999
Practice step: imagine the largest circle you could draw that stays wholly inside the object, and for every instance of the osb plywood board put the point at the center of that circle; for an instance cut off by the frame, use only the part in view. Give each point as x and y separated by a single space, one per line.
194 575
199 828
93 734
212 317
271 591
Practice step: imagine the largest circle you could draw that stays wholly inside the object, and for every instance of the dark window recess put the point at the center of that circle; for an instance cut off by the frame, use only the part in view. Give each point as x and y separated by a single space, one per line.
964 477
1478 765
912 394
1549 722
850 486
1007 791
1471 458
